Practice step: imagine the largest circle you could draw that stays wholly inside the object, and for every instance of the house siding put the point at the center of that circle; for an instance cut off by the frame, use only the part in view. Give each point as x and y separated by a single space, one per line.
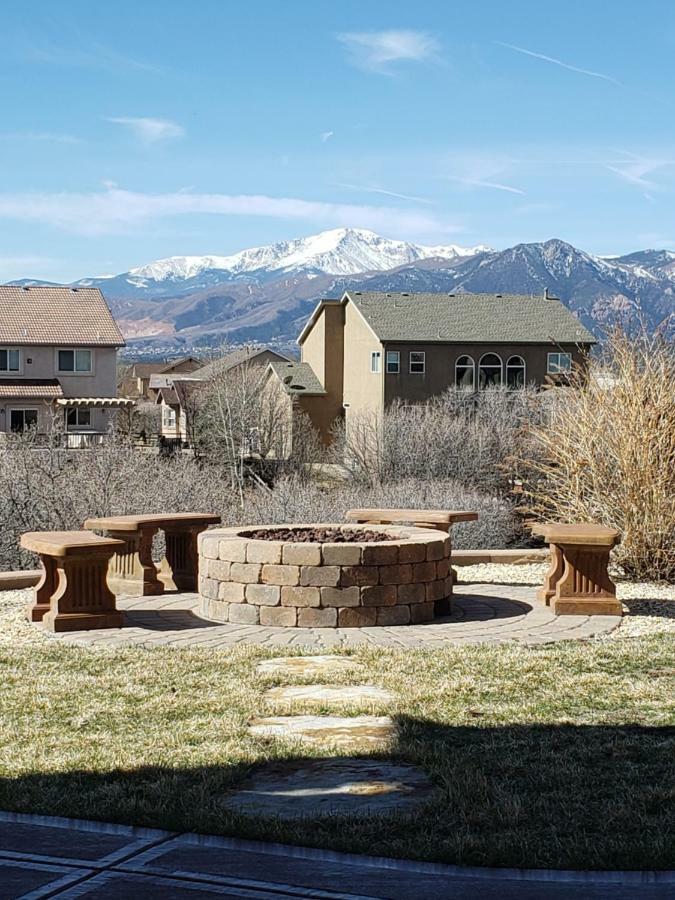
363 389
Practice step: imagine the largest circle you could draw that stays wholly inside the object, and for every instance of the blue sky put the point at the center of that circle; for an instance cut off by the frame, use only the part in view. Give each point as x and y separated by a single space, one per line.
133 131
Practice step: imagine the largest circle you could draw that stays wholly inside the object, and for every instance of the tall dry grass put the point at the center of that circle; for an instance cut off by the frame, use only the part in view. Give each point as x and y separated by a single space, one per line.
607 453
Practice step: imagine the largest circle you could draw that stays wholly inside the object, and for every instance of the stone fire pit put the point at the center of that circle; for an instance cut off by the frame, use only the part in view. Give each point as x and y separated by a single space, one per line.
324 576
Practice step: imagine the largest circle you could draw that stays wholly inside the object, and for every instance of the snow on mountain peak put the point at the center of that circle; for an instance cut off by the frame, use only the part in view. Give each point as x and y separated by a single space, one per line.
340 251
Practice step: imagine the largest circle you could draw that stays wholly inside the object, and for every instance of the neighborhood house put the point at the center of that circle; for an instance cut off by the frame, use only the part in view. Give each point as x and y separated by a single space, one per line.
58 356
369 349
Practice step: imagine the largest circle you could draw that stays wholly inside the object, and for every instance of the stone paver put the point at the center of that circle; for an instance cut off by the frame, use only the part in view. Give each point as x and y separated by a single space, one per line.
162 865
357 695
311 666
341 732
348 786
481 613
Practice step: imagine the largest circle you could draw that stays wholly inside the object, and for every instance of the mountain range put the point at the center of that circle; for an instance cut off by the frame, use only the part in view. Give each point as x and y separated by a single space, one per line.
266 293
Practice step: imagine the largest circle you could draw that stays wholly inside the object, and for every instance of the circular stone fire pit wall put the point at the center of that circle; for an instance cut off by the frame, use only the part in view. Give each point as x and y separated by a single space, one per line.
399 580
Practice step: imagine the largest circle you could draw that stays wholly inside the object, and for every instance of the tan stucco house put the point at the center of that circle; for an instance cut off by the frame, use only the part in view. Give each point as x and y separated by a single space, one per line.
361 353
174 392
58 355
136 381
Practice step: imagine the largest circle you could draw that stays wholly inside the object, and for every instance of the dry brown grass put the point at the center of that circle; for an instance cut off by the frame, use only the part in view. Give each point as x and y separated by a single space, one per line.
607 455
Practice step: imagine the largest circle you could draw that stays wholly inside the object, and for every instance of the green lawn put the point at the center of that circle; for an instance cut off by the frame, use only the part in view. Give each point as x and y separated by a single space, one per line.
559 756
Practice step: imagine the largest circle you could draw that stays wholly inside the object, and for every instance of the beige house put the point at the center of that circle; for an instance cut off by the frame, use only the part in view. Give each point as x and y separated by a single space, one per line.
136 383
175 392
58 356
369 349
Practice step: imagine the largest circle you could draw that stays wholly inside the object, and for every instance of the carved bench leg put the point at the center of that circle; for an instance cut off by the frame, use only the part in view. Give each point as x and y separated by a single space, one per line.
132 572
179 570
82 599
552 577
585 588
43 590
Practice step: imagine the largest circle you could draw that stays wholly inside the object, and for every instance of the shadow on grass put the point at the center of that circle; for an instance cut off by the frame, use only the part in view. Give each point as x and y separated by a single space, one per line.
560 796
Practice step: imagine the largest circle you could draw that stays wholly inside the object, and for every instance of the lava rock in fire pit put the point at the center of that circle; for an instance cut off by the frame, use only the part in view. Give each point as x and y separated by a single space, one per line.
318 535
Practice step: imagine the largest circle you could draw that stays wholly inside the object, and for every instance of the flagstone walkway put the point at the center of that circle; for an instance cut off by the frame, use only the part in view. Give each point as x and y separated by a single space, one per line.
482 613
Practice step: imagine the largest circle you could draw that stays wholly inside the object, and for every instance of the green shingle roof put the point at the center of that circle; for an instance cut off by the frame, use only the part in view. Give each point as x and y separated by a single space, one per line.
469 318
297 377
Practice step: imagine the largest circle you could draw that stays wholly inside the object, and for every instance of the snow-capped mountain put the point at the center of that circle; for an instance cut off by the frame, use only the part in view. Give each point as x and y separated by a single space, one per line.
341 251
266 293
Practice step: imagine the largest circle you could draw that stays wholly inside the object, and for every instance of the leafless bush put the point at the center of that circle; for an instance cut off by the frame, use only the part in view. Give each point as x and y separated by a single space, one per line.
465 437
607 454
291 501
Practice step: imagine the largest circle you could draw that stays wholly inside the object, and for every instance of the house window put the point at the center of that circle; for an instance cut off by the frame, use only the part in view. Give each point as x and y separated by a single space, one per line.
21 419
78 361
559 363
417 362
78 418
515 372
10 359
375 362
465 373
169 417
393 362
489 371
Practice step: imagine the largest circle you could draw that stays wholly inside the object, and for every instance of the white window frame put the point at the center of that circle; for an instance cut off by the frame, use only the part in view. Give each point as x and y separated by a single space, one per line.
9 370
520 364
74 370
473 372
418 362
24 410
393 358
78 410
501 369
375 362
554 368
169 418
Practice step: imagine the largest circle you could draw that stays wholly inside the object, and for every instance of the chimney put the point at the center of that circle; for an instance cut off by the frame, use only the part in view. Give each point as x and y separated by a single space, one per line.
546 296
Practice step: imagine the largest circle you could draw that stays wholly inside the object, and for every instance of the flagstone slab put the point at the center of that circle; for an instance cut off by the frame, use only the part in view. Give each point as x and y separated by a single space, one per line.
348 786
361 695
310 666
344 732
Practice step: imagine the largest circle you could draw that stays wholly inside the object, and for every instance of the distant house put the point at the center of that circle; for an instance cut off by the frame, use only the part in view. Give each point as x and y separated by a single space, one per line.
136 382
369 349
175 392
58 356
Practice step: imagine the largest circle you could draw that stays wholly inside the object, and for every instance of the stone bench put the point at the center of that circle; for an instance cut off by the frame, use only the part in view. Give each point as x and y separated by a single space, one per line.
73 593
132 570
440 519
577 582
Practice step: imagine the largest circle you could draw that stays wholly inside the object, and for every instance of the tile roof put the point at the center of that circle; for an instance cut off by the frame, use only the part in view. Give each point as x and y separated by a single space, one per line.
31 388
56 315
297 378
469 318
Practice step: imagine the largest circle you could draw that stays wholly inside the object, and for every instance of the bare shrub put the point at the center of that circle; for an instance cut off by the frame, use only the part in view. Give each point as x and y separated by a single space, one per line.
607 453
295 502
465 437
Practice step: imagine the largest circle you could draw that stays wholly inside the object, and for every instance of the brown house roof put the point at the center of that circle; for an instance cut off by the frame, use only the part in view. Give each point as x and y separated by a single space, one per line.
30 388
56 315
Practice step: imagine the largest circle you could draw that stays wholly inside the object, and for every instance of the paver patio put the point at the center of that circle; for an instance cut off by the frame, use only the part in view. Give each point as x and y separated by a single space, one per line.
482 613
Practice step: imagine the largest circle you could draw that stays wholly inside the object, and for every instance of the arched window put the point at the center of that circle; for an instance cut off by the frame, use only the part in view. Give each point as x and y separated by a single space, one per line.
489 371
515 372
465 373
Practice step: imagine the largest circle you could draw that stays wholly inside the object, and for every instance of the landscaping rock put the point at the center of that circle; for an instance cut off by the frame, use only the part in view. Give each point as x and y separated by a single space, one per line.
347 786
310 666
345 732
361 695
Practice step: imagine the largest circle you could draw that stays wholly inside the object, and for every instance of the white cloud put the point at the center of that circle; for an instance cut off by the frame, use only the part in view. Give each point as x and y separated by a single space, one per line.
634 169
149 131
326 136
364 189
22 266
477 182
117 211
559 62
48 137
378 50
